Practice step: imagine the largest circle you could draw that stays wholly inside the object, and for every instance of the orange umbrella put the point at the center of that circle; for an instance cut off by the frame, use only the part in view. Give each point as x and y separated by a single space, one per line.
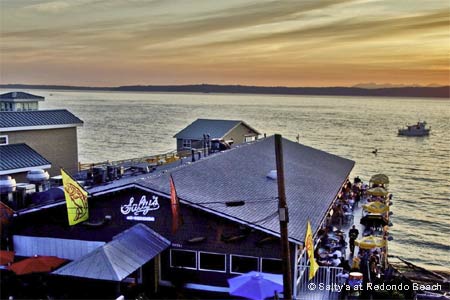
6 257
37 264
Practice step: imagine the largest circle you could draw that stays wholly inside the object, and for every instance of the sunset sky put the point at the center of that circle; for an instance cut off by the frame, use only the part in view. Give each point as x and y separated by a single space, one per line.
249 42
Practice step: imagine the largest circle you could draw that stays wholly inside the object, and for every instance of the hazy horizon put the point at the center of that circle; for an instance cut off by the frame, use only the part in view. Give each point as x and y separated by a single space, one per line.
240 42
359 85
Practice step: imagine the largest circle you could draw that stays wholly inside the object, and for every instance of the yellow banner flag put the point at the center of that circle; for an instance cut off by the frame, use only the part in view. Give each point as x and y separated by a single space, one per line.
76 200
309 245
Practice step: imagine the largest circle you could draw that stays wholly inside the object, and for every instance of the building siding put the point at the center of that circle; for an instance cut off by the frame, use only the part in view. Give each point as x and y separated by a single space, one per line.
196 223
239 133
59 146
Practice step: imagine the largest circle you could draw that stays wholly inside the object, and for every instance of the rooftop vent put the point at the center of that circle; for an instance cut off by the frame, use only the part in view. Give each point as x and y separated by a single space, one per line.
37 176
7 184
272 174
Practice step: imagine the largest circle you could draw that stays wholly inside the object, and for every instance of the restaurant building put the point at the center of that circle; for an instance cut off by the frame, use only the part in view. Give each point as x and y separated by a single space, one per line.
229 212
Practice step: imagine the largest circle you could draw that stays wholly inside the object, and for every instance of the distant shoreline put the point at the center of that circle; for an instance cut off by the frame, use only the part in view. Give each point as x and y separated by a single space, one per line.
422 92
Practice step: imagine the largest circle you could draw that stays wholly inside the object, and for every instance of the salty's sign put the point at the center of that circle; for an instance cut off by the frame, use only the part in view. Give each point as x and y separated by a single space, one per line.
139 209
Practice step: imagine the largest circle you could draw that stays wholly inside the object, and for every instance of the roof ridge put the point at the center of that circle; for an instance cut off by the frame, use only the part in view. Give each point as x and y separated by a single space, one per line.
34 111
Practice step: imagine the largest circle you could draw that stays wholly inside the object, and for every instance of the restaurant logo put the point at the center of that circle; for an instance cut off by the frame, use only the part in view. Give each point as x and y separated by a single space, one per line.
140 208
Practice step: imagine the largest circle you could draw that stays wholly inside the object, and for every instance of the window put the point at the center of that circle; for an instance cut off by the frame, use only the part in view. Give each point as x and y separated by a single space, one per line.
187 144
271 265
243 264
183 259
33 106
250 138
211 262
3 140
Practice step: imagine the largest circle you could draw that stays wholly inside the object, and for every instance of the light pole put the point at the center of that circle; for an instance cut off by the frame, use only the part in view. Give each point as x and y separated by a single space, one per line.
284 220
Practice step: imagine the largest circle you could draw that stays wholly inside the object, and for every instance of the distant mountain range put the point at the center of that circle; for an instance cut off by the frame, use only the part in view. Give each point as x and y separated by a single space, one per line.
360 90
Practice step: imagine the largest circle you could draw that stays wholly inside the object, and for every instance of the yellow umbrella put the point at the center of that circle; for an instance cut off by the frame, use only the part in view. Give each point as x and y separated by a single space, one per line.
370 242
379 179
376 207
378 191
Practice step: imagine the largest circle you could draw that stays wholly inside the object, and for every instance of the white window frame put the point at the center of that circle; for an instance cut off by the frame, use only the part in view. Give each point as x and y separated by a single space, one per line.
6 138
267 258
249 138
209 270
186 143
183 250
258 267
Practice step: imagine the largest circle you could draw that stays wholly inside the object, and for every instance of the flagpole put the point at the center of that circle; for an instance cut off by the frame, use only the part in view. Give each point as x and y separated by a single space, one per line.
284 220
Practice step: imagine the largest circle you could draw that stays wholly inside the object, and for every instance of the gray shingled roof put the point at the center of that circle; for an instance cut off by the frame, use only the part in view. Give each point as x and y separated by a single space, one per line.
19 156
10 119
20 95
119 258
313 179
215 129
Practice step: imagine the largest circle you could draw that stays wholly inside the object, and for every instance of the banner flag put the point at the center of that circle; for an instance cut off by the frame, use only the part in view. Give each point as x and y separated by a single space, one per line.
76 200
175 205
309 245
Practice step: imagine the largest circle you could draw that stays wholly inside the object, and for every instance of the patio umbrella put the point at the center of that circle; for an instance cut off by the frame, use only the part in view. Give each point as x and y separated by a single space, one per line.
6 257
379 179
36 264
256 285
376 207
378 191
370 242
373 219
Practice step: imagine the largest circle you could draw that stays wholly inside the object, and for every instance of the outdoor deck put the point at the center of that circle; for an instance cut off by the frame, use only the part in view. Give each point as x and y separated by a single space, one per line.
327 275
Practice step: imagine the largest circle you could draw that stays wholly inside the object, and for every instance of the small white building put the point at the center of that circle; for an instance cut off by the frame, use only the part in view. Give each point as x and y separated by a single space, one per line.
231 131
19 101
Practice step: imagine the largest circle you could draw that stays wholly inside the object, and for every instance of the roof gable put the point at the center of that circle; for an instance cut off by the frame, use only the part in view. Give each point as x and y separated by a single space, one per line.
215 129
119 258
20 95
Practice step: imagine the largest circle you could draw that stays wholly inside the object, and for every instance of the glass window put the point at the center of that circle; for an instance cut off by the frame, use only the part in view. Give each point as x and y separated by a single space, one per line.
212 262
243 264
3 140
187 144
183 259
271 265
250 139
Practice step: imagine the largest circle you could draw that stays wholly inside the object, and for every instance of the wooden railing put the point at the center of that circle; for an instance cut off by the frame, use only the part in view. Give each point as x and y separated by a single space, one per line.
158 159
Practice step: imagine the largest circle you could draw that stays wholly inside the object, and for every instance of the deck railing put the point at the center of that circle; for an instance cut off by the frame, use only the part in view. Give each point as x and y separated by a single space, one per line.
158 159
324 285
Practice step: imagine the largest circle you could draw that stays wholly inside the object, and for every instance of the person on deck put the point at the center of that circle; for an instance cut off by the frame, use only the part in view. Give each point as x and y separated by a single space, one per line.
335 261
353 235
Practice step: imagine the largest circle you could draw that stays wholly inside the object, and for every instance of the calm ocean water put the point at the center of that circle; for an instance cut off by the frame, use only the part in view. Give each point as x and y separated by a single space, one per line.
125 125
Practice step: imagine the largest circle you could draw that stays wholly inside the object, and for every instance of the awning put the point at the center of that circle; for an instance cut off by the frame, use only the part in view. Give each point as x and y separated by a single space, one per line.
46 246
119 258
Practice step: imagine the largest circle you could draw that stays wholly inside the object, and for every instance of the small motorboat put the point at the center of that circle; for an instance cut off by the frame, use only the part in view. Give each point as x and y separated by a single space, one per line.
418 129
